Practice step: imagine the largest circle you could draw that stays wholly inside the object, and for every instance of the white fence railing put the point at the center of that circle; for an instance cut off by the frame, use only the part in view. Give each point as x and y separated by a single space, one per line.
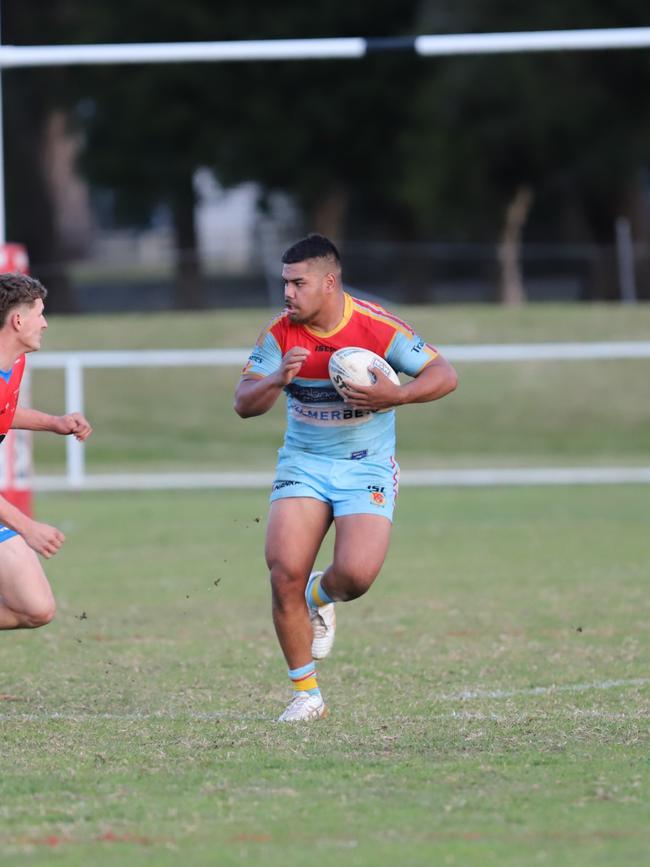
75 363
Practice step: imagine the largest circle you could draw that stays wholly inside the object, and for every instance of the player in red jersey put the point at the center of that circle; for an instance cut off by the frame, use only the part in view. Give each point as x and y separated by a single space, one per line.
337 463
26 599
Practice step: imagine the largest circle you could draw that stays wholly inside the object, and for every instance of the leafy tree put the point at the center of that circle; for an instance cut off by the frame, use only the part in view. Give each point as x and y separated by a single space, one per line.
30 97
392 146
321 131
570 128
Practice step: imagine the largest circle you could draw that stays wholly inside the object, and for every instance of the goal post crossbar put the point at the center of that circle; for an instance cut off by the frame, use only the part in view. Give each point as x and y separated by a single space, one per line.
428 45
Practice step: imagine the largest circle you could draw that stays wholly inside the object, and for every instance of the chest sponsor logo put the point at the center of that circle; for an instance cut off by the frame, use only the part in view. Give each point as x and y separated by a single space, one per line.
326 416
323 347
313 394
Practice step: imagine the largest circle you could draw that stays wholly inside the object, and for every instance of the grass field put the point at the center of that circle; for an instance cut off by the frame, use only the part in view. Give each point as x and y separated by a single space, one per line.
489 697
521 414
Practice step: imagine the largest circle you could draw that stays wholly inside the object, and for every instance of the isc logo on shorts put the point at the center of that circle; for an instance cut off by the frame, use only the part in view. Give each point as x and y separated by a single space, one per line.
377 495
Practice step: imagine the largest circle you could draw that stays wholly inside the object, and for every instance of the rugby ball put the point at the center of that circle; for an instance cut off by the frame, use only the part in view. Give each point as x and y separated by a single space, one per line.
354 365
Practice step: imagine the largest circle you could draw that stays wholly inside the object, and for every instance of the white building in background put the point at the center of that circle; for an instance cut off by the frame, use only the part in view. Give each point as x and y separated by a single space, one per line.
233 235
226 224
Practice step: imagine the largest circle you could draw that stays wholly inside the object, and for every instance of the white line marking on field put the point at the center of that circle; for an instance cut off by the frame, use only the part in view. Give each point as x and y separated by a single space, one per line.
469 694
137 716
572 713
211 716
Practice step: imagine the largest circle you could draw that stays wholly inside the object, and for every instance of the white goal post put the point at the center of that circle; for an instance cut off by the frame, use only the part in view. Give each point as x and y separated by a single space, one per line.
353 48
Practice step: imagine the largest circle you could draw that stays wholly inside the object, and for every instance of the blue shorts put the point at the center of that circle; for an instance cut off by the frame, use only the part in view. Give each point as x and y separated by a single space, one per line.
6 533
351 487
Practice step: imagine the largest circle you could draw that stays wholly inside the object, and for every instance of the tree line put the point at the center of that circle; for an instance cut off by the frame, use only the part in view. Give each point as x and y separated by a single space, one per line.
550 147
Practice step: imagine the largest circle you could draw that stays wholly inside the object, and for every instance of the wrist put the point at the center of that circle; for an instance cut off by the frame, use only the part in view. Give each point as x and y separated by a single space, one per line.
21 525
277 380
53 424
15 519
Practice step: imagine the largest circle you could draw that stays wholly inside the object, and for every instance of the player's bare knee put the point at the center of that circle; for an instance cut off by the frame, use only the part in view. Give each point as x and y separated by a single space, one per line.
352 584
286 585
40 616
353 590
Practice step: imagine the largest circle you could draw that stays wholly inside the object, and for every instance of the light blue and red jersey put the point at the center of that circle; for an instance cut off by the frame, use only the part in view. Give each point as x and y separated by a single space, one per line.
318 419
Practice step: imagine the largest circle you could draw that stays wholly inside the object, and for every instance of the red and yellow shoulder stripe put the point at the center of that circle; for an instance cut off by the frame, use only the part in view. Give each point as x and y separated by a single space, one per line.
270 325
375 311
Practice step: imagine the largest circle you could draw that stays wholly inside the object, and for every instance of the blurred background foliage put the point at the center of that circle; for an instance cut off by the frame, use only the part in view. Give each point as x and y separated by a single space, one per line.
392 149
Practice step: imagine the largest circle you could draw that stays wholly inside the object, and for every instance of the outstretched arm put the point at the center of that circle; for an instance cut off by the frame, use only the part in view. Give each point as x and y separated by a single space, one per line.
256 395
434 381
32 419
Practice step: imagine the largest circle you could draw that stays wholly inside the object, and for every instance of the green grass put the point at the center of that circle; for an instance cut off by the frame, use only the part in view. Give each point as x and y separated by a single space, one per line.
508 414
139 727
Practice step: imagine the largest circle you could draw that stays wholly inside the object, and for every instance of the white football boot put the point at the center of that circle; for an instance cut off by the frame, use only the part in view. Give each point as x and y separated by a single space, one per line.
323 624
304 707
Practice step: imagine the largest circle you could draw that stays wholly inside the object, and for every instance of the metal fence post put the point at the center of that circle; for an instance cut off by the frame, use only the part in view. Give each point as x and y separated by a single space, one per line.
625 260
74 402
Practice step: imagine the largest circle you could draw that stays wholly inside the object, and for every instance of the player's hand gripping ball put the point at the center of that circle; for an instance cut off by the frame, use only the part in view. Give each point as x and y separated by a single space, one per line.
354 365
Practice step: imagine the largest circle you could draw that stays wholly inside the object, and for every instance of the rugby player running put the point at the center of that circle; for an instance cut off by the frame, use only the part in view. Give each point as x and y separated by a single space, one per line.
337 463
26 599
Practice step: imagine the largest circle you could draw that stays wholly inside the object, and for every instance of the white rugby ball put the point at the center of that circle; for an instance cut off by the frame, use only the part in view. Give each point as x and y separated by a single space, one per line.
354 365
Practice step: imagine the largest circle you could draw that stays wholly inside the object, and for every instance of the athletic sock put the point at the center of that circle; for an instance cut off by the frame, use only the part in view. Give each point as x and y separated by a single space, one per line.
304 679
316 595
